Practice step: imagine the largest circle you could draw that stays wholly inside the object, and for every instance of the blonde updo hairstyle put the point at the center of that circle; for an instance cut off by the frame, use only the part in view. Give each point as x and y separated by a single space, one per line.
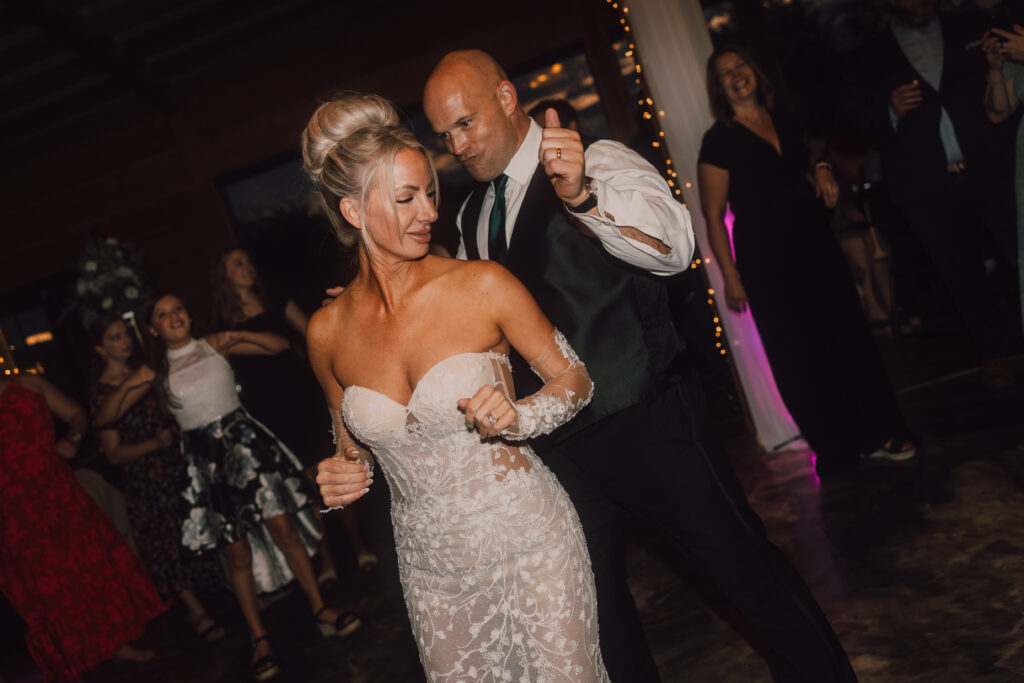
348 150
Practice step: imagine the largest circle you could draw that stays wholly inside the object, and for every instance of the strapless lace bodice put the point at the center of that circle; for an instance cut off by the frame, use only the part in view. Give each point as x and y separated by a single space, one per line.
491 554
409 439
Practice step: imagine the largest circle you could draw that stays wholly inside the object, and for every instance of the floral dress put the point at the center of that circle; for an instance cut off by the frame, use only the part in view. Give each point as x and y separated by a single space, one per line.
152 487
238 473
63 567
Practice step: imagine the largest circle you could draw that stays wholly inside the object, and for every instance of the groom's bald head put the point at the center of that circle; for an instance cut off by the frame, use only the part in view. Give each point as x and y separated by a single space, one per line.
474 68
475 109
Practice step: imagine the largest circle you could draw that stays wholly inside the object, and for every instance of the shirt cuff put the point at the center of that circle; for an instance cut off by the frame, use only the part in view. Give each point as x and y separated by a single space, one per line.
612 211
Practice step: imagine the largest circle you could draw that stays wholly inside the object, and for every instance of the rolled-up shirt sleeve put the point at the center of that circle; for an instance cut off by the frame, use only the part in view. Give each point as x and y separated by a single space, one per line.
631 193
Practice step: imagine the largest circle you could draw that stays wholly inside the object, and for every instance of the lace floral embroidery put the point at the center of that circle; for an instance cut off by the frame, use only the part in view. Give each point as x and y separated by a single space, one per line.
491 555
567 390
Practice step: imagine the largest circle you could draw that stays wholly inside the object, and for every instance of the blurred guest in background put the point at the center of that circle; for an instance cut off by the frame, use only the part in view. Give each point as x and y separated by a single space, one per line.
279 390
790 269
1004 88
80 589
144 444
919 86
860 240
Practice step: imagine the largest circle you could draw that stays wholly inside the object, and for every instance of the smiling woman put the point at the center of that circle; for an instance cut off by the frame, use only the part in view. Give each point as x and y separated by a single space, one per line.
784 262
364 165
246 494
407 215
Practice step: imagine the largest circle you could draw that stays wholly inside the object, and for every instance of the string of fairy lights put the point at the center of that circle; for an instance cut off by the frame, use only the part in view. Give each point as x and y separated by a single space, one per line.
652 114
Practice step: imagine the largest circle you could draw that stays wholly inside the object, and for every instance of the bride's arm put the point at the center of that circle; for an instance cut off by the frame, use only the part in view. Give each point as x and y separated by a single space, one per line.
567 386
347 475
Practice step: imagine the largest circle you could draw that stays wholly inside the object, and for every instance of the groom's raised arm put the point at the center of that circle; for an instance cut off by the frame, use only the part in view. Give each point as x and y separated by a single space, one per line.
619 198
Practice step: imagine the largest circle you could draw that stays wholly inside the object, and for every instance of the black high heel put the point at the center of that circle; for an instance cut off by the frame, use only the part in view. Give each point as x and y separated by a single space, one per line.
345 625
264 668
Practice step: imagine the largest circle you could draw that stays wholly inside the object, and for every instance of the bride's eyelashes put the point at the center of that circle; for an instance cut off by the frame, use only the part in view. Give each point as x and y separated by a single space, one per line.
405 200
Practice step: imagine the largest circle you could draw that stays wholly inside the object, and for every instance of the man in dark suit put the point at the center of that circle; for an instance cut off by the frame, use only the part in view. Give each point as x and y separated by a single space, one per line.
920 86
592 232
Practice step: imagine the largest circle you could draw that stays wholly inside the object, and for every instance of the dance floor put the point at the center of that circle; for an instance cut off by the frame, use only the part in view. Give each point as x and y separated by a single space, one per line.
919 565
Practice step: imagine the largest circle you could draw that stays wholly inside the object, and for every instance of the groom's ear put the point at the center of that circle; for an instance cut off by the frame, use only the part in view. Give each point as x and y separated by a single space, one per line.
350 212
508 97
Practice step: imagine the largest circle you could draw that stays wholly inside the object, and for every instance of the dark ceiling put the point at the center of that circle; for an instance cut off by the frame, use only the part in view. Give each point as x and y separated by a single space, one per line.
123 117
65 60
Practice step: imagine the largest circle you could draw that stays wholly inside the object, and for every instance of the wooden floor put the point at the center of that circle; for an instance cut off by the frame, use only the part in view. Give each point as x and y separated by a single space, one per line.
919 566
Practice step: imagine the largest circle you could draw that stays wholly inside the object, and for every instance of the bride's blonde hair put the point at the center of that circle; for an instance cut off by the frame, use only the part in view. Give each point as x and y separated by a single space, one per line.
349 148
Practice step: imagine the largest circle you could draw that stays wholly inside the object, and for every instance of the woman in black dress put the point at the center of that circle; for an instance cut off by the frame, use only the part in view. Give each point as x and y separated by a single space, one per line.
791 271
279 390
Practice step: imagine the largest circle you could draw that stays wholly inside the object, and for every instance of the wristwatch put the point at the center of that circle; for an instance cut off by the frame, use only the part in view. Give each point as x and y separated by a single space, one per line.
590 202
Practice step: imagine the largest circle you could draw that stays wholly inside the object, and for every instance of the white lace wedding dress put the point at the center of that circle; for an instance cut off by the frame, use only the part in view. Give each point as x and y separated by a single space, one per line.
491 554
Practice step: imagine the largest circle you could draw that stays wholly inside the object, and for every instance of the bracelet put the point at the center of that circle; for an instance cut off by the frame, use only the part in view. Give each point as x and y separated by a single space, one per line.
823 164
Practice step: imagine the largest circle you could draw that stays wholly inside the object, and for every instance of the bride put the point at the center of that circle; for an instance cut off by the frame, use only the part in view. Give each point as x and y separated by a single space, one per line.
413 361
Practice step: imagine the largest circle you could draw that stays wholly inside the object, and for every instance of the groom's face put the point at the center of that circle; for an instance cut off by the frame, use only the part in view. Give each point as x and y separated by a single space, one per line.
475 125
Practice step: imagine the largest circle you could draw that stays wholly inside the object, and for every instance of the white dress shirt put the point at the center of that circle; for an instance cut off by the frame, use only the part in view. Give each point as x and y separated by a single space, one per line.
630 192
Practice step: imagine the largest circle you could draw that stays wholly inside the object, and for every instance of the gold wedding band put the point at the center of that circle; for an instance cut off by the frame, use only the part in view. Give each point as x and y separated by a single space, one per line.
558 152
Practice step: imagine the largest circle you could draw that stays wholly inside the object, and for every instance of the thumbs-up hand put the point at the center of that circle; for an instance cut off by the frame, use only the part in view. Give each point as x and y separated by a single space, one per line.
561 153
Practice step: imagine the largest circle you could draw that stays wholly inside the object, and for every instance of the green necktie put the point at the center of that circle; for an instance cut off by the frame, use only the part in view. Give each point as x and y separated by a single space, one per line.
496 245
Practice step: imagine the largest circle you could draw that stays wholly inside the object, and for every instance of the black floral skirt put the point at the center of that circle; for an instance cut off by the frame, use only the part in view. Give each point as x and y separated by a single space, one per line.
239 475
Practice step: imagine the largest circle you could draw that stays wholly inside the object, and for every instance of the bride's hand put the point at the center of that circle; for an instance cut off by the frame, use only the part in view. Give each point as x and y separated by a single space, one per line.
344 478
489 411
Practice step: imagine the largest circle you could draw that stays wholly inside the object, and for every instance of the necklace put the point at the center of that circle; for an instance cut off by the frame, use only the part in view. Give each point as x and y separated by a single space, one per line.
752 121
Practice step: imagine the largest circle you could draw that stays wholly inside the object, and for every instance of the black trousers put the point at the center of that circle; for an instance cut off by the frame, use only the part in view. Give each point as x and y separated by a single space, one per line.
950 223
650 461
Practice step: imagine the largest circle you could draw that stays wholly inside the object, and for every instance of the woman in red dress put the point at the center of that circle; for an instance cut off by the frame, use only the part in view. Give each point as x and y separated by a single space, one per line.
63 566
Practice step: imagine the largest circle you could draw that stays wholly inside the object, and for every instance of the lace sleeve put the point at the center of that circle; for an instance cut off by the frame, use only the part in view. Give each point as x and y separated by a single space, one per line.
567 390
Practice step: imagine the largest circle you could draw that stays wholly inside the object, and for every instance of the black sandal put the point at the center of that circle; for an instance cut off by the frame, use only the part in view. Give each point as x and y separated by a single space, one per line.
895 450
264 668
213 631
344 626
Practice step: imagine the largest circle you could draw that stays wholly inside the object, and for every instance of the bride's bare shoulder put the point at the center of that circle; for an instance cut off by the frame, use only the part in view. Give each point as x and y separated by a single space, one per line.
479 273
326 320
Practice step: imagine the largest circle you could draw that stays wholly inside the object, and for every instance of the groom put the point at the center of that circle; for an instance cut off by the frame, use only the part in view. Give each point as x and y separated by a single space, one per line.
590 232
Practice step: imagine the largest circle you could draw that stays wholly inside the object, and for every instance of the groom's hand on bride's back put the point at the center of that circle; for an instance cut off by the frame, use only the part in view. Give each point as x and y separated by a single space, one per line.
332 294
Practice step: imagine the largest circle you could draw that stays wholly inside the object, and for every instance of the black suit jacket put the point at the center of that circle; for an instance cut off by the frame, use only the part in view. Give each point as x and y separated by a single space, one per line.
913 155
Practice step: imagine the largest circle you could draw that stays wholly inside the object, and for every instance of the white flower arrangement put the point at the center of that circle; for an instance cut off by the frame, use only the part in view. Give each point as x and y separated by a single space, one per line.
109 278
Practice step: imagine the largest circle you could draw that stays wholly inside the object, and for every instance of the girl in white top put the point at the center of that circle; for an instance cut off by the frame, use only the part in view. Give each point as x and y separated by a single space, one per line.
244 488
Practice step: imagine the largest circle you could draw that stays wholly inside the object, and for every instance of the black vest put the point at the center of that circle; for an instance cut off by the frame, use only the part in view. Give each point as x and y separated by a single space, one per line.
615 316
